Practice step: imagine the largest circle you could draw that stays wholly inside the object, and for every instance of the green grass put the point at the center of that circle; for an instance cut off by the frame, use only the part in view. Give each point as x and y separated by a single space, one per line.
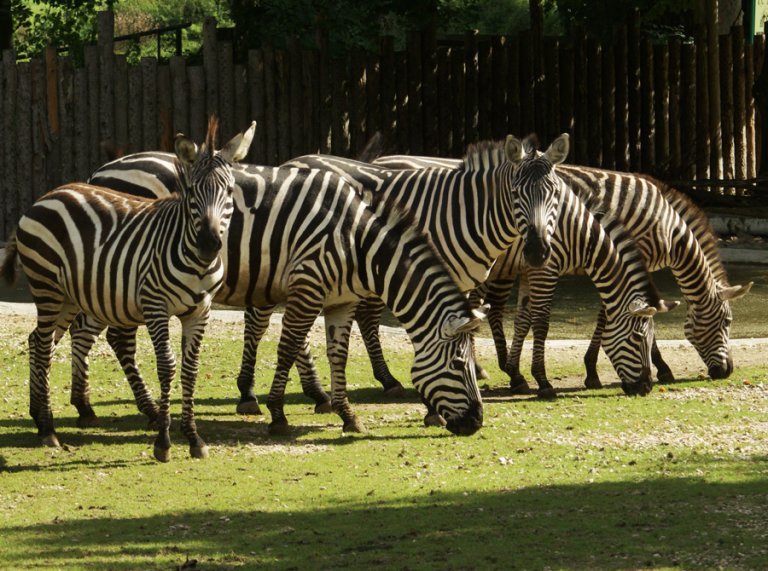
594 480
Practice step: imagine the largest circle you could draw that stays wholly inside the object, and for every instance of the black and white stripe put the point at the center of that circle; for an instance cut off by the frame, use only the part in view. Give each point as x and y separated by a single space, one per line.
125 261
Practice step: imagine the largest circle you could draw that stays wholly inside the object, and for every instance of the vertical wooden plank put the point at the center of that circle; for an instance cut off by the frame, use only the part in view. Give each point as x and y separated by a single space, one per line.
402 103
726 111
444 98
740 104
357 114
135 100
608 97
8 180
282 85
661 107
551 83
121 101
567 91
415 93
387 80
688 127
82 126
242 113
340 107
622 99
23 139
471 73
106 31
38 133
164 122
372 95
5 225
514 125
256 89
713 74
675 94
633 93
149 107
180 88
499 87
93 118
484 90
458 102
53 158
325 78
198 119
226 89
67 114
749 78
429 109
648 136
527 115
702 107
581 126
310 82
594 106
210 66
270 120
298 124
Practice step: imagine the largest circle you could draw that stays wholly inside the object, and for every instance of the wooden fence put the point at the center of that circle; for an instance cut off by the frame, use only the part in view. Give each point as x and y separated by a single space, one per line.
629 104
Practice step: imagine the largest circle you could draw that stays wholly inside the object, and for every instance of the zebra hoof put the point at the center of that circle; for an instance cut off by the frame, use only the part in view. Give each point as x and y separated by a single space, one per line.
434 420
636 389
250 408
546 393
51 441
519 386
353 425
666 377
395 391
87 421
280 428
323 408
481 373
199 451
593 382
162 454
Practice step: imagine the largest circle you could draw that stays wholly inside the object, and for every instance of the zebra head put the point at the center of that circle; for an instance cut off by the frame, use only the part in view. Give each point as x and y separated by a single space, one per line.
207 188
536 190
452 391
628 339
708 329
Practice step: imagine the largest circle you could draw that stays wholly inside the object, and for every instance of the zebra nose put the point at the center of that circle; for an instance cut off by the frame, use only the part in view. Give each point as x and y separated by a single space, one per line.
722 370
468 423
208 243
536 251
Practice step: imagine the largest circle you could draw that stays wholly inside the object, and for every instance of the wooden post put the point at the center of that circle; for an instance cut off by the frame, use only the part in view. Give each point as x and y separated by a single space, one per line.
633 92
23 140
325 76
373 96
648 125
66 113
298 126
622 100
470 87
484 90
283 107
311 89
415 93
444 100
8 119
713 73
594 126
702 116
180 88
749 80
388 87
500 83
149 107
567 91
270 119
93 118
661 104
164 121
53 124
356 106
514 123
198 118
739 104
608 97
458 101
726 117
225 72
256 89
106 32
402 103
429 109
674 115
211 66
340 107
760 93
581 126
135 124
121 101
688 128
552 88
38 133
527 79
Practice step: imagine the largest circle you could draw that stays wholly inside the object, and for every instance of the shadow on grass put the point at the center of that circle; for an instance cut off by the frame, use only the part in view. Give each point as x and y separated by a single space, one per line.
659 523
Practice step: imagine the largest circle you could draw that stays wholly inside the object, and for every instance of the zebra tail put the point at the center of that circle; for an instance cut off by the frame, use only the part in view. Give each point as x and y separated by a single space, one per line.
8 269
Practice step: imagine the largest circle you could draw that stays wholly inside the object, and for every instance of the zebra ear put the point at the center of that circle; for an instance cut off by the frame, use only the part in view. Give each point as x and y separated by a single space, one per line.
735 292
665 306
513 148
185 149
640 308
558 150
455 324
238 146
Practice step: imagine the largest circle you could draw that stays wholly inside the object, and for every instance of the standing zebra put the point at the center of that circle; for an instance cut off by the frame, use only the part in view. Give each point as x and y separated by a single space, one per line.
125 261
305 238
670 230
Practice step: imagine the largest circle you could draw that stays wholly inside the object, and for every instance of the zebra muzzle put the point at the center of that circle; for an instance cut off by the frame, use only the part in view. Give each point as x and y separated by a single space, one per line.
208 243
536 250
468 423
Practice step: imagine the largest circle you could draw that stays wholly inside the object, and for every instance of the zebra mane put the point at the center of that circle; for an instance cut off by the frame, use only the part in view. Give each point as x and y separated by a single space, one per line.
483 155
630 254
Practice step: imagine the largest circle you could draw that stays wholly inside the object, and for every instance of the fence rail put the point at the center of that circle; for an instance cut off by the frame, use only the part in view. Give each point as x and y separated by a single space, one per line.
629 104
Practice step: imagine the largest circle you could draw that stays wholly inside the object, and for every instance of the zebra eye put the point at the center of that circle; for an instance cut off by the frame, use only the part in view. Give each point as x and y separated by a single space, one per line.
458 363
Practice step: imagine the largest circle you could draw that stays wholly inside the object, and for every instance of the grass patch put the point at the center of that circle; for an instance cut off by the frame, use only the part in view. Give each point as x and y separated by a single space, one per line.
676 480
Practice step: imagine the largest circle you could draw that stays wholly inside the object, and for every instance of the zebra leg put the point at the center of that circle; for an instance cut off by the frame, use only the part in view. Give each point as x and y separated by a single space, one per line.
476 297
166 370
84 332
123 343
192 330
663 372
368 316
338 324
256 323
592 380
300 314
540 306
52 322
497 296
517 382
310 380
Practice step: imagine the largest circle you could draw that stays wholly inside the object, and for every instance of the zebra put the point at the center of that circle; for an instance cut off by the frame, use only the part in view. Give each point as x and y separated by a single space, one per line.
671 231
125 261
305 238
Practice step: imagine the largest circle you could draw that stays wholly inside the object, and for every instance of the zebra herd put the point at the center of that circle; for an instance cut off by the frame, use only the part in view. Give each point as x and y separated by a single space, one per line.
153 235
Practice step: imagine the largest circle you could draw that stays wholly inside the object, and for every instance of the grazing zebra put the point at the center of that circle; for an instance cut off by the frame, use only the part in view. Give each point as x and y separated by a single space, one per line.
125 261
305 238
671 231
